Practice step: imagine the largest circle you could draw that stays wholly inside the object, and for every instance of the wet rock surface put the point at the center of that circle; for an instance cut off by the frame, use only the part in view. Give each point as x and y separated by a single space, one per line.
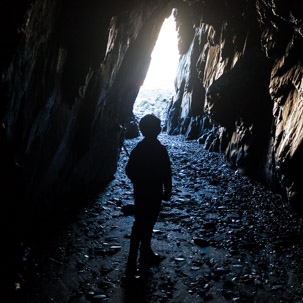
224 239
70 89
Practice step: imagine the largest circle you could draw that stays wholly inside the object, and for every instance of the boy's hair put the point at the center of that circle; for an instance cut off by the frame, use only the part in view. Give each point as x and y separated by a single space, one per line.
150 126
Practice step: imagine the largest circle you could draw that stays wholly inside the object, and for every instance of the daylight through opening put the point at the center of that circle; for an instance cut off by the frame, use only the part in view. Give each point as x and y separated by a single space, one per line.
158 86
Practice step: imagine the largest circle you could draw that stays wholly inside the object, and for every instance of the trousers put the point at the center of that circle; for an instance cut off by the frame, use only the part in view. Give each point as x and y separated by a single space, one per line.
146 215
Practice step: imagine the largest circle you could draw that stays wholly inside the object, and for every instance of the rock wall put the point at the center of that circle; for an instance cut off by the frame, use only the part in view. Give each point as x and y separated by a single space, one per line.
217 92
282 41
73 81
80 64
239 86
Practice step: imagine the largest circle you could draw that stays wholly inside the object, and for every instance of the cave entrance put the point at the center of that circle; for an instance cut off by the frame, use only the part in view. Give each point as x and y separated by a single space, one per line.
158 86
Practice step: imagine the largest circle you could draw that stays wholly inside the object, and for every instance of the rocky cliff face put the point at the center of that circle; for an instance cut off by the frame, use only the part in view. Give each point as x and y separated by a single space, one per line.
73 82
239 86
224 86
282 41
80 64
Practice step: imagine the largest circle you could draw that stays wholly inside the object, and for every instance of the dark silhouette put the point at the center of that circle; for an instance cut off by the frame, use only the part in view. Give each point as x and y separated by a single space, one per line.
149 170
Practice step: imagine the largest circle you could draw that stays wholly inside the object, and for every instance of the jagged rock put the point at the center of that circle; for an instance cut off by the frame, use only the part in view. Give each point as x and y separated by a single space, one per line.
73 85
132 129
232 78
69 92
201 242
128 209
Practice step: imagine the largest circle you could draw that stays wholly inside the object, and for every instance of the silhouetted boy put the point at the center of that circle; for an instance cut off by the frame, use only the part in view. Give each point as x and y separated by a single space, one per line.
149 170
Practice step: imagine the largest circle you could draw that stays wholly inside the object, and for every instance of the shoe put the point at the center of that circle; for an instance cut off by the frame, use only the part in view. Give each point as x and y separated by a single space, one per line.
130 278
155 259
131 271
150 260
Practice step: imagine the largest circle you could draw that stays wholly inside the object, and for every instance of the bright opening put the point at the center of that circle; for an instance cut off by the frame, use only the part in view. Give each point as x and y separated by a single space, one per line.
158 86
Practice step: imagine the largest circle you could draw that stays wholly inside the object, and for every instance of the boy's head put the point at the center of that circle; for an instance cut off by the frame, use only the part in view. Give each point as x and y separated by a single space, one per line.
150 126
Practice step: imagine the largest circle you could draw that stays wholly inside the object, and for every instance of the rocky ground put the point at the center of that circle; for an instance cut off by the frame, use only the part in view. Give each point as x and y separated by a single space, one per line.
152 101
225 239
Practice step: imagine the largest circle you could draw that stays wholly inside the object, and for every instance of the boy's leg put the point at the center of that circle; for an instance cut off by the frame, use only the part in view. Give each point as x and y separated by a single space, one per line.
133 249
147 256
149 224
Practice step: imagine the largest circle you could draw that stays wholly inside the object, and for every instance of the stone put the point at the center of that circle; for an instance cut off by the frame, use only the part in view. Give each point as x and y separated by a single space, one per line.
67 98
128 209
99 297
278 287
201 242
132 129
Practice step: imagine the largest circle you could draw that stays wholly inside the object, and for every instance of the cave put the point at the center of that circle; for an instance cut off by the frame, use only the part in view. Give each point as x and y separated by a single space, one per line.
70 74
157 88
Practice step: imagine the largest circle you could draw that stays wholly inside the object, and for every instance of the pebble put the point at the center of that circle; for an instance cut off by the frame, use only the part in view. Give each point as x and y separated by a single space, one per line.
240 231
201 242
128 210
116 247
99 297
278 287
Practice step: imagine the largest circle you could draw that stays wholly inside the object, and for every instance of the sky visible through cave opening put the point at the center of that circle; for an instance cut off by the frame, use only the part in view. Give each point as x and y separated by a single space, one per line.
158 86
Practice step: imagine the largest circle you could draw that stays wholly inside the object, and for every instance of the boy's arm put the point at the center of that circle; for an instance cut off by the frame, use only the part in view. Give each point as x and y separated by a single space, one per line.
167 189
167 181
129 169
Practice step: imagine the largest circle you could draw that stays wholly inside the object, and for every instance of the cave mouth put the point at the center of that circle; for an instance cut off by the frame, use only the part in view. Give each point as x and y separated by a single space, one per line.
158 86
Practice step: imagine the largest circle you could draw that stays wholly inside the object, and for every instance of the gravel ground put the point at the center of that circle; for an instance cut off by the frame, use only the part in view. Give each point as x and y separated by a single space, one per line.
225 238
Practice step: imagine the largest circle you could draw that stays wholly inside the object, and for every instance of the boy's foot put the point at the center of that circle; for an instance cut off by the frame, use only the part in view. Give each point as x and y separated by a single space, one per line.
131 271
155 259
150 260
143 272
130 278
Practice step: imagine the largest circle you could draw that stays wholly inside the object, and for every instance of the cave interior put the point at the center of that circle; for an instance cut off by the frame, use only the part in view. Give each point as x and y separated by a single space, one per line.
71 71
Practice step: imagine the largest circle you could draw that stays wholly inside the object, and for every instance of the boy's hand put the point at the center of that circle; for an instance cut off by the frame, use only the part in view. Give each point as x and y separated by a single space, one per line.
166 196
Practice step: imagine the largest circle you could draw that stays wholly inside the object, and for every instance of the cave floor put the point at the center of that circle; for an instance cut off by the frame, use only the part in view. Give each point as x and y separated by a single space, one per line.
225 238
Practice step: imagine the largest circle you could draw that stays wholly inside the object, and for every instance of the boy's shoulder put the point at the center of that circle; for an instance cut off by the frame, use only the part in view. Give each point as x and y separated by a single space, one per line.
150 142
149 145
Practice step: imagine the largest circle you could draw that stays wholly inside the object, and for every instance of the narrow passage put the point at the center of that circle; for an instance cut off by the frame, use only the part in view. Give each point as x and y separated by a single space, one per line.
225 239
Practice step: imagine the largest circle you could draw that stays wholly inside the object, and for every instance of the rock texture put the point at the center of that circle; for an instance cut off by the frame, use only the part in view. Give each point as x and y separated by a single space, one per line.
242 70
225 239
217 80
282 40
73 83
80 64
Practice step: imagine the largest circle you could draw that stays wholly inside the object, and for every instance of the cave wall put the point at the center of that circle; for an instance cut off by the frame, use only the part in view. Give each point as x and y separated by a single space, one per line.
239 86
72 83
79 66
222 96
282 41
